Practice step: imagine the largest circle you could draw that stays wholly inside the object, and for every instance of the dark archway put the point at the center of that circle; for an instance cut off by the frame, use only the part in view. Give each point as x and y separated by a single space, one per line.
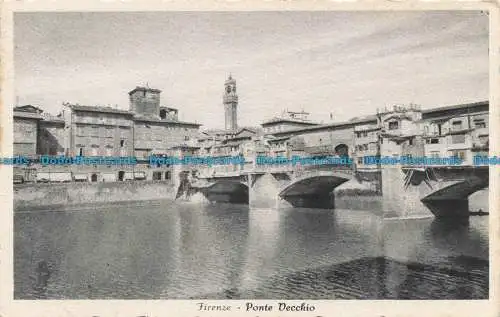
121 175
93 178
342 150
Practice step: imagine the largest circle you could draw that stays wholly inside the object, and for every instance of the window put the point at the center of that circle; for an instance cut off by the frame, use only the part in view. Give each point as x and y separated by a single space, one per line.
109 150
410 142
157 176
434 141
186 138
122 143
394 125
479 123
457 125
95 149
94 131
458 138
459 154
360 160
80 130
483 139
109 132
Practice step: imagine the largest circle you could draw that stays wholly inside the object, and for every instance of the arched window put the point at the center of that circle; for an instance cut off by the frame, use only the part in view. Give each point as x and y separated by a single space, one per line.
342 150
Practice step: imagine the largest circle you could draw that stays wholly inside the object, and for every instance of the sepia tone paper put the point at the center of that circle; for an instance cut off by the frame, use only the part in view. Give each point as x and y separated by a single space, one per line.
330 81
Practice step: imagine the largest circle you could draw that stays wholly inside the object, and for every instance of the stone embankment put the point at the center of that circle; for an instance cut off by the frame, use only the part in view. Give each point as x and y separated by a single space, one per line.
36 196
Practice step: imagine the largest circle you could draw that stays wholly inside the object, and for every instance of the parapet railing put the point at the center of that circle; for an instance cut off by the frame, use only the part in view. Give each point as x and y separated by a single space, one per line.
297 170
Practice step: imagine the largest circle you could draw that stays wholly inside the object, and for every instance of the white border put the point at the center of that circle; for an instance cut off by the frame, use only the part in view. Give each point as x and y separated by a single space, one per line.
124 308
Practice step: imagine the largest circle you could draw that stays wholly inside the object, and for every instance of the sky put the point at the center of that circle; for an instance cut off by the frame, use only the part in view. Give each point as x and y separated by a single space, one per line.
346 64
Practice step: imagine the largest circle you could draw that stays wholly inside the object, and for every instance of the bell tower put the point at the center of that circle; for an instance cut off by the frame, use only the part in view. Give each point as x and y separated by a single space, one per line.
230 100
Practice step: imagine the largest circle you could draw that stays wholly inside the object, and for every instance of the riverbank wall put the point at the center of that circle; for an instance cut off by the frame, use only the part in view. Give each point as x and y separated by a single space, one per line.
35 196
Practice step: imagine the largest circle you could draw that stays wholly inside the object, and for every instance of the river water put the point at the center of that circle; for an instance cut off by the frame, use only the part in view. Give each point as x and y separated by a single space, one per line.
167 250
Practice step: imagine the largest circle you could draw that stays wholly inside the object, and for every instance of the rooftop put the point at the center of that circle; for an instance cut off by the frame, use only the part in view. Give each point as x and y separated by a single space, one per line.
28 115
78 107
276 120
464 106
158 120
139 88
28 108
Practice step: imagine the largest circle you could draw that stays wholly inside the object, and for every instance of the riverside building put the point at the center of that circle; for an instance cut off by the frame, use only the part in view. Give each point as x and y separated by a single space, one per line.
147 128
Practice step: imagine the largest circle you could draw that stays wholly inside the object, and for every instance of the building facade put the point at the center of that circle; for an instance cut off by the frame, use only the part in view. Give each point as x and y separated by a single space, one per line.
147 128
26 123
98 131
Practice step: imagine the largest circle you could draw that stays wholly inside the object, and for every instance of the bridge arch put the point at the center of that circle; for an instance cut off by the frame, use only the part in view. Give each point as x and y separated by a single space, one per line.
314 190
232 191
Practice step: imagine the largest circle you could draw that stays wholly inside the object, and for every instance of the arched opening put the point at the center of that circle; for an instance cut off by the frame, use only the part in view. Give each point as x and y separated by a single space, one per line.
121 175
342 150
167 175
163 114
157 176
93 178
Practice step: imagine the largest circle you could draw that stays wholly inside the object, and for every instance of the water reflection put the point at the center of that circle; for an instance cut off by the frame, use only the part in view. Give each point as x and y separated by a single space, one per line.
169 250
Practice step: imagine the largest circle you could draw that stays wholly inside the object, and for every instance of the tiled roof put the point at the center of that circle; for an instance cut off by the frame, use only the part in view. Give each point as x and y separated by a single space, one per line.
152 119
278 120
25 114
100 109
138 88
457 107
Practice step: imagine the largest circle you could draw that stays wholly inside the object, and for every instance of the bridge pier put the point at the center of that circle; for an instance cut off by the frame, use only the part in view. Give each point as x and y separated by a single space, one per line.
263 191
401 200
442 192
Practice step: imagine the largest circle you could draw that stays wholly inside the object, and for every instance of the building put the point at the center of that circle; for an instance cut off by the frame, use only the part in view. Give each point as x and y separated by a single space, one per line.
145 101
157 128
288 120
51 135
98 131
366 142
457 130
230 101
26 122
147 128
401 129
461 131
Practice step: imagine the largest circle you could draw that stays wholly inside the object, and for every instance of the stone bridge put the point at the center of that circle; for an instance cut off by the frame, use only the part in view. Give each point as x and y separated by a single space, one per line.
406 191
442 190
269 187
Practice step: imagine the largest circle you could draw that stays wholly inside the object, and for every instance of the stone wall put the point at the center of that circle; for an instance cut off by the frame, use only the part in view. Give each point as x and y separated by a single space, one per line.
34 196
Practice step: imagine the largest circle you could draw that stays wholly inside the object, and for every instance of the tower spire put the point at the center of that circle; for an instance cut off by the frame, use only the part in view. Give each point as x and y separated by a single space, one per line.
230 101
